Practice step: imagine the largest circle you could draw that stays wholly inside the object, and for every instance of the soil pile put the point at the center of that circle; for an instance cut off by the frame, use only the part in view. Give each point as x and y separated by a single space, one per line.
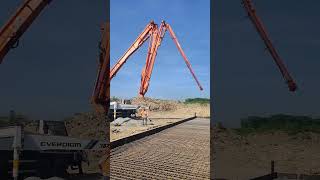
87 125
156 104
171 108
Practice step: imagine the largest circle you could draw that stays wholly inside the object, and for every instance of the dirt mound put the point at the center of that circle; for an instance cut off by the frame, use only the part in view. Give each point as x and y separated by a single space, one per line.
87 125
156 104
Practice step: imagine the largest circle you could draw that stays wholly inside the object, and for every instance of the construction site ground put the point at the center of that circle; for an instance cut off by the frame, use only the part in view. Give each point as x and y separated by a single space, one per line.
162 112
180 152
135 127
244 157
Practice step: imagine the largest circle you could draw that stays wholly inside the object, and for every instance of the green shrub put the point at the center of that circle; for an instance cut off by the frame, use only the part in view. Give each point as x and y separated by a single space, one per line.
287 123
197 100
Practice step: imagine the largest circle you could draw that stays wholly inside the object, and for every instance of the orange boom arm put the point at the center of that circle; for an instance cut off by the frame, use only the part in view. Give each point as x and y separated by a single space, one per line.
263 33
144 35
155 42
19 23
100 97
23 18
155 35
174 38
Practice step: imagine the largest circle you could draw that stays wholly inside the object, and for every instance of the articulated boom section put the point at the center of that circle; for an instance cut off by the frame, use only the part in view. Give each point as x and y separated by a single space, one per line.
155 41
135 46
155 35
19 23
100 98
175 39
261 30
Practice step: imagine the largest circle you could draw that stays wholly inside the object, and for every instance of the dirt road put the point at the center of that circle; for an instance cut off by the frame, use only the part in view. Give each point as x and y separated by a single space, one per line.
180 152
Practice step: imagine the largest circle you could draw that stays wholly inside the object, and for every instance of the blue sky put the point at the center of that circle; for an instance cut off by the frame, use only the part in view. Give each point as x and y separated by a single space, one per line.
171 78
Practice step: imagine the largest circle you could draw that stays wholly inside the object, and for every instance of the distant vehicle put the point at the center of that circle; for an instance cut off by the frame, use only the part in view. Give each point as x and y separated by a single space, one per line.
124 109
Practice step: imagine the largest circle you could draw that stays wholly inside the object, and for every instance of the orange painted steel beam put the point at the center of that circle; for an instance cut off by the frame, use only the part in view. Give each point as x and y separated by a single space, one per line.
175 39
263 34
19 23
144 35
155 42
23 18
101 94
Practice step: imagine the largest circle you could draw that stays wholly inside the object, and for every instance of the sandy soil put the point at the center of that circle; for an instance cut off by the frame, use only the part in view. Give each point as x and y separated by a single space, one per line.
136 127
162 112
184 111
88 126
171 108
244 157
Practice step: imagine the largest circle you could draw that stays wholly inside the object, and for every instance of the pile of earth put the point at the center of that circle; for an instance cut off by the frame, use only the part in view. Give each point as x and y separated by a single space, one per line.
156 104
87 125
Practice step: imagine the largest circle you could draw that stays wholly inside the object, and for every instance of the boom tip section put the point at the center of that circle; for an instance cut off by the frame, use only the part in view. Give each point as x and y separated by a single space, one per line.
292 86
